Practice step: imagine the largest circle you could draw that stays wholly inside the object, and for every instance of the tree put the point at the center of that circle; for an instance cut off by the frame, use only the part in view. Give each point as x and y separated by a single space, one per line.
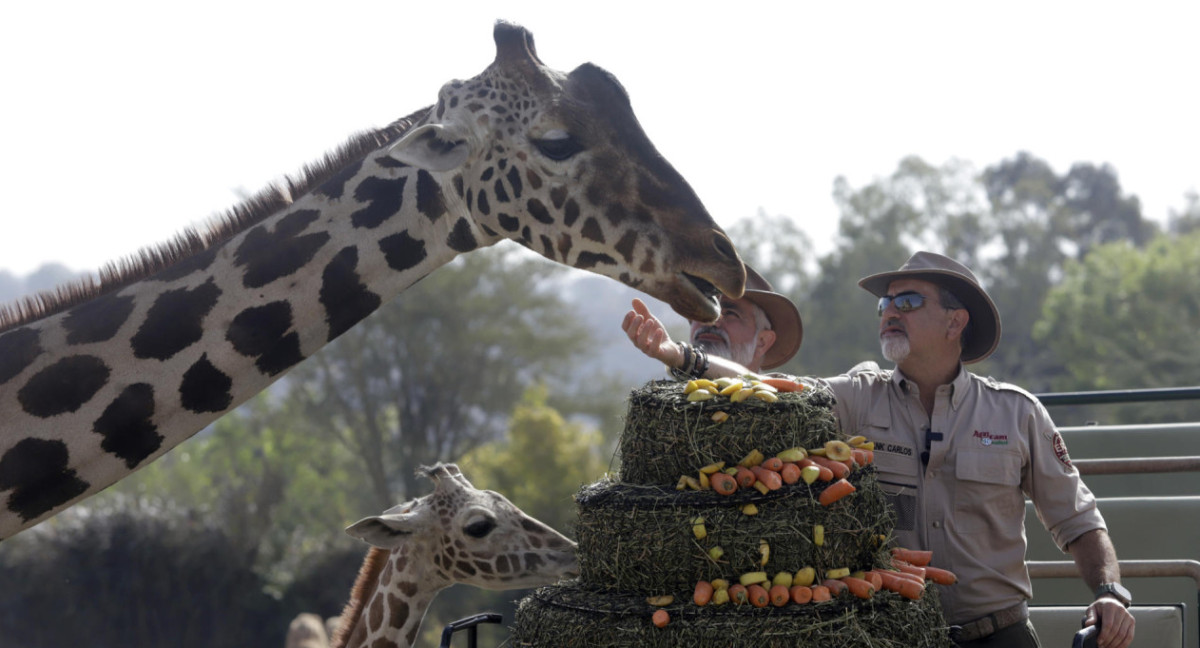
1125 318
438 371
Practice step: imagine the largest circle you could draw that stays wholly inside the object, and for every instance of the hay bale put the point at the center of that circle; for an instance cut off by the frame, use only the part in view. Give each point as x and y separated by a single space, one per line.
579 615
666 436
640 537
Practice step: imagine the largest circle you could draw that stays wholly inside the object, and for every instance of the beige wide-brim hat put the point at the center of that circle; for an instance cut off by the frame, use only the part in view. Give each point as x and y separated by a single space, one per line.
783 315
983 331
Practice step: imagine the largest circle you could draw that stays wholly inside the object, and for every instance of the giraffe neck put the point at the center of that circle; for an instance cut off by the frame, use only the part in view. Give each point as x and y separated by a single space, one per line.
104 387
390 599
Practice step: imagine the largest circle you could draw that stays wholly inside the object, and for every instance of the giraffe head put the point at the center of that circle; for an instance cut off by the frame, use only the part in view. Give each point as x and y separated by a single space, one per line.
559 163
471 536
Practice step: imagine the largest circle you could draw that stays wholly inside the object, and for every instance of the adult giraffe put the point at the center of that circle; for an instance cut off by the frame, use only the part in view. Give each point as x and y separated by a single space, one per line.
98 380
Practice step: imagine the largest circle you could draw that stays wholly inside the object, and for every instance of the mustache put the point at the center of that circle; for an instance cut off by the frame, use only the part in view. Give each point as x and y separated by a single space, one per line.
892 322
714 331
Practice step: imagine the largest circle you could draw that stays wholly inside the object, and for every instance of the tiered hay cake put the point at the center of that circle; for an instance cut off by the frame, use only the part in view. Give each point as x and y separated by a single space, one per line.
636 539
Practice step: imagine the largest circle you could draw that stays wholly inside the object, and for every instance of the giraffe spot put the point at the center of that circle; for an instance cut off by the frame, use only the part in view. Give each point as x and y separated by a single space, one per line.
589 260
534 180
514 181
262 332
526 236
502 566
592 231
18 349
470 199
570 212
197 262
63 386
205 388
175 321
487 174
399 611
126 425
626 245
616 213
461 238
429 197
558 196
538 210
547 247
509 223
484 566
481 203
375 614
335 186
271 255
465 568
533 561
501 194
97 320
489 231
38 474
346 299
564 245
407 588
458 184
648 267
383 197
402 251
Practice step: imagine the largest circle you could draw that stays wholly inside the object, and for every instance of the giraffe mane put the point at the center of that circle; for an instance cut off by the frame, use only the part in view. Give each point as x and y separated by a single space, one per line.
365 585
193 240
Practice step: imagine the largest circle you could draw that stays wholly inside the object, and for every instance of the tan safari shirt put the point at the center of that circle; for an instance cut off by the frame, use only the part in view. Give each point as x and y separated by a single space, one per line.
990 446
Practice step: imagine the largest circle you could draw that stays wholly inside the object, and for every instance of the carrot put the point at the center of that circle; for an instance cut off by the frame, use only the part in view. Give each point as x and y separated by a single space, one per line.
758 595
912 556
703 594
745 477
779 595
801 594
940 576
836 491
909 568
834 586
820 593
661 618
893 582
874 579
770 479
859 587
773 463
783 384
839 469
790 473
863 457
737 593
826 473
722 483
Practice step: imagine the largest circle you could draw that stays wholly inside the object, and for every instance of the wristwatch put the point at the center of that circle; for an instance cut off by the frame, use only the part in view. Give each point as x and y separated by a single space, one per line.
1117 591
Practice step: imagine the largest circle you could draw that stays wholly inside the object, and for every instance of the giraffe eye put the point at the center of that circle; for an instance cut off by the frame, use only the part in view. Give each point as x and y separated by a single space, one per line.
479 527
558 145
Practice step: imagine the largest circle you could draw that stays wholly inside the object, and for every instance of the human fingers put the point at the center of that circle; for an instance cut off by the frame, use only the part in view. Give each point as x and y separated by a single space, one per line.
1117 627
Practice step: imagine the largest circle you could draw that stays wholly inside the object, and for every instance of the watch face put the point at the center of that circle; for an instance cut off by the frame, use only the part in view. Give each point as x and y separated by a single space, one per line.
1117 590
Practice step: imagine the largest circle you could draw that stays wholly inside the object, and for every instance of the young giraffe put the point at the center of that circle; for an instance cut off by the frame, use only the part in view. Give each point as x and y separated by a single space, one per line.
456 534
97 381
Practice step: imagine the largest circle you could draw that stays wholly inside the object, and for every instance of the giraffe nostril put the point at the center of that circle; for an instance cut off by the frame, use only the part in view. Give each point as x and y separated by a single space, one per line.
724 246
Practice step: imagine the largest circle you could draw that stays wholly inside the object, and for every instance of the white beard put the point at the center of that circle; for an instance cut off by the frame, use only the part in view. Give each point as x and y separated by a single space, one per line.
743 354
895 348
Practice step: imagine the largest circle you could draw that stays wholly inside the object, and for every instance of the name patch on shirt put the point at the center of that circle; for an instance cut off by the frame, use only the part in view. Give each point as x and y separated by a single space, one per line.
897 449
990 438
1060 450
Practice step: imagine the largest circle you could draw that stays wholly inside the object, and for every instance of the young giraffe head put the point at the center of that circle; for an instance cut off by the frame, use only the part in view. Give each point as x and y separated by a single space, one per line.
456 534
559 163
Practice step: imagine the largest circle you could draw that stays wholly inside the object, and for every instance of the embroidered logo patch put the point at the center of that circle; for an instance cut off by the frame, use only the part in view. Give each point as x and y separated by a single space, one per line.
989 438
1060 450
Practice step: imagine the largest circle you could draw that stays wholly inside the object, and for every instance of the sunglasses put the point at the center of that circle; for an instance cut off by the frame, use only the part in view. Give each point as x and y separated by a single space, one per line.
905 302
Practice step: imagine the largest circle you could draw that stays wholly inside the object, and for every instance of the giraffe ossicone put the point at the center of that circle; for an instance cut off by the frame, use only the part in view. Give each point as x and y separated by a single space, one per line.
105 376
456 534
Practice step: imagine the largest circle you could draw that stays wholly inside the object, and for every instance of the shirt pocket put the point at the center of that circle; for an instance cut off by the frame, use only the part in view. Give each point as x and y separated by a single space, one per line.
898 481
987 497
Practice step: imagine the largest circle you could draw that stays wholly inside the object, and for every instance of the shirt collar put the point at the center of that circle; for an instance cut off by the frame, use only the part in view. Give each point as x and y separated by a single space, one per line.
958 387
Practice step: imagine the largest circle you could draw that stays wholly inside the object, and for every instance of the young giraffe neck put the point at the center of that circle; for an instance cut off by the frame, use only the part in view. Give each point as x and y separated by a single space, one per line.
393 592
149 364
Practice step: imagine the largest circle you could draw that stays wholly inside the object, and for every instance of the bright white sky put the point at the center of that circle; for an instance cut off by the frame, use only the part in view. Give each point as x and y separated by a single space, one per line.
123 121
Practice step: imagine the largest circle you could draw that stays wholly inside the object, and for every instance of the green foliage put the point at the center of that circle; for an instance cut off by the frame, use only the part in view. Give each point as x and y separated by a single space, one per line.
1126 318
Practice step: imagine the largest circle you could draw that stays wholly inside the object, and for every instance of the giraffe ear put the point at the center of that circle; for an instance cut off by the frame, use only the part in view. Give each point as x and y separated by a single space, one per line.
385 531
433 147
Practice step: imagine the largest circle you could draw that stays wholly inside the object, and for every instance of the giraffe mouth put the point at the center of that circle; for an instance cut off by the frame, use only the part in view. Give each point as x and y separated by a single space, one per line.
705 288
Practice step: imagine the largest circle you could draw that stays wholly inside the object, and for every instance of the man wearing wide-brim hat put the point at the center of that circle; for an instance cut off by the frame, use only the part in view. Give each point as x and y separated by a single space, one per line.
957 454
761 330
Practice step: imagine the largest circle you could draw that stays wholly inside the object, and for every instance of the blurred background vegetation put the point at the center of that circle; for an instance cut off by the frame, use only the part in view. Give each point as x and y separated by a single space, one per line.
517 369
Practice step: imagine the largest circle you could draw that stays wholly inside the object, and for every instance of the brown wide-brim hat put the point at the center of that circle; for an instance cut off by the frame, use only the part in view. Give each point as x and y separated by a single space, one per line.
983 331
783 315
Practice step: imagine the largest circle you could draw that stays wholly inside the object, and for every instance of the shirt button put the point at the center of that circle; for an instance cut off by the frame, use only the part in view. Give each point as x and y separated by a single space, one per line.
937 525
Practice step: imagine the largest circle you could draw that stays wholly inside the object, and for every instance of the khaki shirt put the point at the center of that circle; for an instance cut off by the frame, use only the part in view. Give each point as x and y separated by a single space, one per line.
991 445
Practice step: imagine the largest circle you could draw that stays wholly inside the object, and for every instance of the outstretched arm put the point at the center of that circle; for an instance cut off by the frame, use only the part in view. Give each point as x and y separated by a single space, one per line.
651 338
1097 562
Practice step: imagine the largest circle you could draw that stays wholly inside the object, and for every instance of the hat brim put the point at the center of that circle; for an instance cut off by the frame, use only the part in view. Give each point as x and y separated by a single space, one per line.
984 327
785 322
